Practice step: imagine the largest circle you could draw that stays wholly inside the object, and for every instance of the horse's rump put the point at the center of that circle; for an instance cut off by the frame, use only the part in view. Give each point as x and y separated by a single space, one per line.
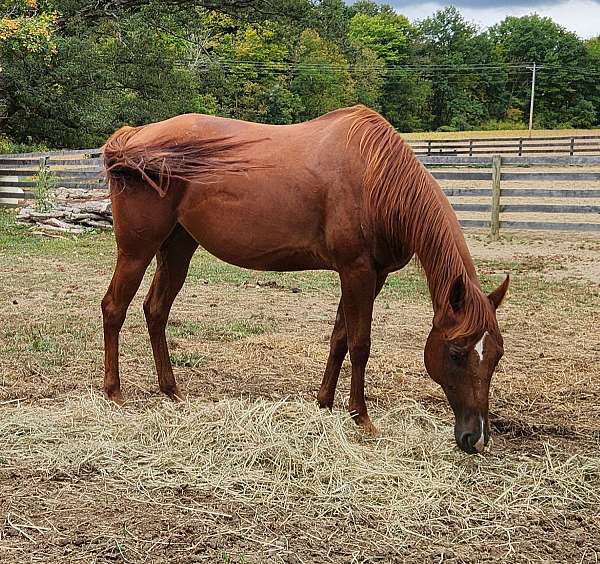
158 162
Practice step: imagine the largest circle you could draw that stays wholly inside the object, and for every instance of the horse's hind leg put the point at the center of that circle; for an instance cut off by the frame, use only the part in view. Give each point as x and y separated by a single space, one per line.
123 286
139 235
172 262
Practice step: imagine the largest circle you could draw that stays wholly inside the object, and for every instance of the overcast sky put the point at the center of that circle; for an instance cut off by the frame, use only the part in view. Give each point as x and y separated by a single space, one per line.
580 16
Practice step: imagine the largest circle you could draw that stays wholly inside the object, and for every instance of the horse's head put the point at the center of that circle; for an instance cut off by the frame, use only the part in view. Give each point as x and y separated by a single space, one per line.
463 366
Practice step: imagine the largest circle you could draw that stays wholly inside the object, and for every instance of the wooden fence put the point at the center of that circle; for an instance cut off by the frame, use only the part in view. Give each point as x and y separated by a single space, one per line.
520 146
494 192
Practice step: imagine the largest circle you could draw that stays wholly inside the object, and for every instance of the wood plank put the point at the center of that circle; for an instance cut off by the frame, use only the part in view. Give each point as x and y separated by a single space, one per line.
551 193
563 146
10 163
21 172
18 195
474 223
476 141
60 153
525 139
548 208
469 192
495 207
83 185
16 184
471 207
565 160
74 174
552 176
541 225
460 175
452 160
91 162
513 152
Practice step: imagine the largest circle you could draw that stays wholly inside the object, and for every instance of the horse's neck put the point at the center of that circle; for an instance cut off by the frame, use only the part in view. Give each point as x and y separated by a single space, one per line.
443 252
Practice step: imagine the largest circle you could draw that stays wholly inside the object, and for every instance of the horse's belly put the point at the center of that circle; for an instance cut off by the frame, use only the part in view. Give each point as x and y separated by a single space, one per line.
261 233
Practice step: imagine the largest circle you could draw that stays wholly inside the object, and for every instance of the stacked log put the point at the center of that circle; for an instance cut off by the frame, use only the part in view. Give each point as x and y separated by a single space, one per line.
69 217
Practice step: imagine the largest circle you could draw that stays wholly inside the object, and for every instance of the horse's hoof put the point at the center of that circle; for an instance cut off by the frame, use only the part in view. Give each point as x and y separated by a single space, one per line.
176 395
325 404
370 430
115 397
366 425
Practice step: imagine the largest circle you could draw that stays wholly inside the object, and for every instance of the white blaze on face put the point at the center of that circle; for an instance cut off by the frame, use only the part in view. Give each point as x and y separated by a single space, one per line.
480 444
479 347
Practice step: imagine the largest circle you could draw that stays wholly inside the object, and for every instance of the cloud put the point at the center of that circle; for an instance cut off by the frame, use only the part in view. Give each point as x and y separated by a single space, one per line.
483 4
580 16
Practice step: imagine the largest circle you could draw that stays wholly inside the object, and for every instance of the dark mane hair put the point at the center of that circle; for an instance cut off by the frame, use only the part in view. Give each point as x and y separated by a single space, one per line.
405 205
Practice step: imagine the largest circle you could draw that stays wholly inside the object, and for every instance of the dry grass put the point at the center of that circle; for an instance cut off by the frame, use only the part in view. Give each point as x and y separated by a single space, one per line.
421 135
249 470
299 465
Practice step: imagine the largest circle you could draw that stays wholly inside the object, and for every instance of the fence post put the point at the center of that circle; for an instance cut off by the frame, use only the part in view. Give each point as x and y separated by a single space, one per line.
572 146
495 219
429 147
520 147
470 147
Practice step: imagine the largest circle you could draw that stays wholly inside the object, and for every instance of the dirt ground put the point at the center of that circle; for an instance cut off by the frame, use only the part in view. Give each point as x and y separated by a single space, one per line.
262 339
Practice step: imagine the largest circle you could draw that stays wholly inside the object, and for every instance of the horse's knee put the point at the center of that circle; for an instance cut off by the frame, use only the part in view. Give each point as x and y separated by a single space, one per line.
359 352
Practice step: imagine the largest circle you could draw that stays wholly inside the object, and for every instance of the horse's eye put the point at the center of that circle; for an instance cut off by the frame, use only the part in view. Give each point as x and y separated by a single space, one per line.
457 356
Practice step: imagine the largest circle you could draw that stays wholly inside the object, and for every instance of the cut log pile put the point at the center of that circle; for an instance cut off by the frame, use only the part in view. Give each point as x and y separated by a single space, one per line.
69 217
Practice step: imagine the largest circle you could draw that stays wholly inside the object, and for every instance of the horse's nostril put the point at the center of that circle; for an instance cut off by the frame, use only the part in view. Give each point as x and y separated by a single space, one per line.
467 442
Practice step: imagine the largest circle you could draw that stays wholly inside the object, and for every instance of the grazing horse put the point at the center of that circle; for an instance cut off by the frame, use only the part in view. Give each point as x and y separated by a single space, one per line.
342 192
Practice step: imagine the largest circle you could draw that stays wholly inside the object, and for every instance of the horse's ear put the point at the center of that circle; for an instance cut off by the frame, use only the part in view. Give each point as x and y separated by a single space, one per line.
498 294
457 294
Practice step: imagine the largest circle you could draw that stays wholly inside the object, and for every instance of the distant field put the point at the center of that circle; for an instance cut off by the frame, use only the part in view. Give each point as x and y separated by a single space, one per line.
498 133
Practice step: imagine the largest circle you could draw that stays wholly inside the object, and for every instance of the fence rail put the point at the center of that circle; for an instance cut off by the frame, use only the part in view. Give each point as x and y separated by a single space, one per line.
573 145
83 169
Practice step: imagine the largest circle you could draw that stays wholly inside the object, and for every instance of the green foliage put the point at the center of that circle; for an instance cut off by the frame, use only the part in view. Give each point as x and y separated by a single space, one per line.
73 71
322 79
565 85
7 146
45 184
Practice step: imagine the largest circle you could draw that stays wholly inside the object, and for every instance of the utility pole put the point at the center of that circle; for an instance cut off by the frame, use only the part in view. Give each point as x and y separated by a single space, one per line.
532 98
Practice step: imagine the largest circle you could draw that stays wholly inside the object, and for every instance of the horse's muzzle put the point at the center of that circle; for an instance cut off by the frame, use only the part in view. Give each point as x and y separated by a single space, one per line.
472 438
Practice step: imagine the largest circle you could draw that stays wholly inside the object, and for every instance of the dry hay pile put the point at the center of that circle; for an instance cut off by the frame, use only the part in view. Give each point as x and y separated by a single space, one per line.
278 481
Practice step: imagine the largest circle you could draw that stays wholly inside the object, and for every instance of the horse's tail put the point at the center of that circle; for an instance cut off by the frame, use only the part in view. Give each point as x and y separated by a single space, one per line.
156 164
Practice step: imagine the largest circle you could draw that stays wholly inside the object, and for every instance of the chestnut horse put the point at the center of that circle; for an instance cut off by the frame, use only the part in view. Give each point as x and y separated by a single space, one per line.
342 192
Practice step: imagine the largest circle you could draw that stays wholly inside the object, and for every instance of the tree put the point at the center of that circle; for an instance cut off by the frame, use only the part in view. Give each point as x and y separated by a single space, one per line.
392 37
461 98
321 76
563 83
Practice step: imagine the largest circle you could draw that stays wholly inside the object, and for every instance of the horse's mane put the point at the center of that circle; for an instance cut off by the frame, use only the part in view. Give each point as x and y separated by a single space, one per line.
405 205
166 158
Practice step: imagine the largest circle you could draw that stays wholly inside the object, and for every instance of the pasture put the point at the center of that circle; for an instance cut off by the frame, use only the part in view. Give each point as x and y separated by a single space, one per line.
248 469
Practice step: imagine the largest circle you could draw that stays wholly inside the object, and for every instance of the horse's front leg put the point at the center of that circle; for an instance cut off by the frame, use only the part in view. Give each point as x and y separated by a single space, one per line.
359 287
338 347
